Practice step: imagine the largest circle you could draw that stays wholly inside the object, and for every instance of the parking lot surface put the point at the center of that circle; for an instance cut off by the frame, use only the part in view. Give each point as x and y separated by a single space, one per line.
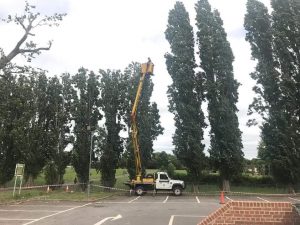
122 210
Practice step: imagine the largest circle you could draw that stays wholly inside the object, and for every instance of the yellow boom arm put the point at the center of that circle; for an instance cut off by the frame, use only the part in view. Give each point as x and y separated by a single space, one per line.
146 69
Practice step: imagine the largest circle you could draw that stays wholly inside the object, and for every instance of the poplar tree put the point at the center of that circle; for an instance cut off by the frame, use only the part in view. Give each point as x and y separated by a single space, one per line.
113 105
15 114
58 116
275 45
183 98
86 114
221 90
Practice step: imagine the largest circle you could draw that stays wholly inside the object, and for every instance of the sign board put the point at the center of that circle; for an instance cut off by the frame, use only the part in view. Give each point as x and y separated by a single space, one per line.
19 171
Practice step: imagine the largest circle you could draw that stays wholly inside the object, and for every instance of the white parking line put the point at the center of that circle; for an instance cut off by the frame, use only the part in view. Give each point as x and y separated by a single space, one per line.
44 205
141 202
60 212
263 199
294 199
166 199
198 201
134 199
229 198
10 219
27 210
173 216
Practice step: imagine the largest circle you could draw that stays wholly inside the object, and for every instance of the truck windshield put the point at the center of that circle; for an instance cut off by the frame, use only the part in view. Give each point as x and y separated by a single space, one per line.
164 177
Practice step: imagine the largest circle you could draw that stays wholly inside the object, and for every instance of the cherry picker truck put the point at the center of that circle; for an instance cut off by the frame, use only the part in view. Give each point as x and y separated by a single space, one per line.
158 181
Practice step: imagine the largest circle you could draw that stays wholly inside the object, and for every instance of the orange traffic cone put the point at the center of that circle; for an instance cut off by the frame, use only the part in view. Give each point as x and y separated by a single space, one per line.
67 188
222 200
48 189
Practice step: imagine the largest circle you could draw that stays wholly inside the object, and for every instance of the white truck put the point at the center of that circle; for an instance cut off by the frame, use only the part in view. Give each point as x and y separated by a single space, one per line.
158 181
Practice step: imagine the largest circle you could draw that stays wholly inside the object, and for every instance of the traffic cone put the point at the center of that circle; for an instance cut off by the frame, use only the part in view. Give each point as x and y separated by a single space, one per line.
222 200
67 188
48 189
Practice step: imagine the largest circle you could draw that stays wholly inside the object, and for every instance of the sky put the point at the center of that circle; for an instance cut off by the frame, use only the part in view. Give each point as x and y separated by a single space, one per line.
109 34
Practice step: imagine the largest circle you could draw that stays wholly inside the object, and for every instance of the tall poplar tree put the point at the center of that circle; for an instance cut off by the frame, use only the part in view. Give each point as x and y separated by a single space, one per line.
221 91
86 114
113 105
275 45
58 116
16 99
183 98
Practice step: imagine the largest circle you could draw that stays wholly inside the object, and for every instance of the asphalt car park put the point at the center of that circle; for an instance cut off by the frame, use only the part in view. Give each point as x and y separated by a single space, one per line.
122 210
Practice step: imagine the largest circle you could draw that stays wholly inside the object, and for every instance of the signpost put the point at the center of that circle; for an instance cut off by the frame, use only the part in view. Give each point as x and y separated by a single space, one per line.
19 172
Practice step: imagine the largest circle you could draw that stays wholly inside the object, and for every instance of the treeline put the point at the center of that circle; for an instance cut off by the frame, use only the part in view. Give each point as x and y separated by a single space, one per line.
211 81
275 46
50 122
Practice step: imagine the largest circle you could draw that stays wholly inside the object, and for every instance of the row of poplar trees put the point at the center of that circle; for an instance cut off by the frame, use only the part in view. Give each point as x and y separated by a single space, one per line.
48 122
41 115
275 46
213 81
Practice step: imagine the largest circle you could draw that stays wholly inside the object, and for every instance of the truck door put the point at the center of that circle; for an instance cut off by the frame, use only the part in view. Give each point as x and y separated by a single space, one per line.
162 182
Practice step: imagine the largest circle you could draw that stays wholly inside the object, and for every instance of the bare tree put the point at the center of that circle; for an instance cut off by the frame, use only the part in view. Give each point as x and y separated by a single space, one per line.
29 21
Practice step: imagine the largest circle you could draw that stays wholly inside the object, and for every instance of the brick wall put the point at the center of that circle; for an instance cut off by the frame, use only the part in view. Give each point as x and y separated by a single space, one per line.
254 213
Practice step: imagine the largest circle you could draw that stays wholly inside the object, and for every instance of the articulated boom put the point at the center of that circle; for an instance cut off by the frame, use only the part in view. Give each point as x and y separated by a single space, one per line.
146 70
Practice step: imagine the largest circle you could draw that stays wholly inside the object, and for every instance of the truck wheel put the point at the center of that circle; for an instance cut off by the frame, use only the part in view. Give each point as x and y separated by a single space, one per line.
177 190
139 190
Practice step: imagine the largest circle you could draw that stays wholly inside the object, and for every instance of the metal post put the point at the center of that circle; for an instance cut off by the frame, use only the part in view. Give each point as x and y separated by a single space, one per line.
15 186
90 165
21 180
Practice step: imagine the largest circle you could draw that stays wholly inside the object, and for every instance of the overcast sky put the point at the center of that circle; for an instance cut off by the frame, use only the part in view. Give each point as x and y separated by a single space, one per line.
112 33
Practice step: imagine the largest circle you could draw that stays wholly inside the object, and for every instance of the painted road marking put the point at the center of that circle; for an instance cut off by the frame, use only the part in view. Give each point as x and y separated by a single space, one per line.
198 201
294 199
173 216
25 205
9 219
140 202
166 199
262 199
109 218
134 199
27 210
229 198
60 212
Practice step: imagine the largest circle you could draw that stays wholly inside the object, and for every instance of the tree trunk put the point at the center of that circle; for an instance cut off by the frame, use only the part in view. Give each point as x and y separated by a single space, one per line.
226 185
29 181
291 189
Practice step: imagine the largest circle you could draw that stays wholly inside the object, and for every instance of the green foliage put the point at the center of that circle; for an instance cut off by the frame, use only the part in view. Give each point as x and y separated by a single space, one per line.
184 97
275 45
113 87
221 91
9 155
51 173
86 114
171 169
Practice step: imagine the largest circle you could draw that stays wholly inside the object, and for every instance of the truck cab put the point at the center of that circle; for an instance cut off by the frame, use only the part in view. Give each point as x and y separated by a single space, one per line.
164 182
